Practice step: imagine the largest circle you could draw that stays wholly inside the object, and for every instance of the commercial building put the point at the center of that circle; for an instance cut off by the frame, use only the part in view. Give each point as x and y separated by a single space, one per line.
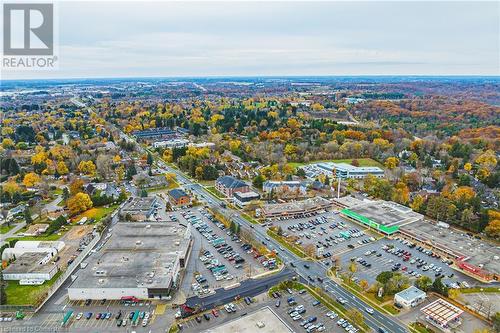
442 315
172 143
36 229
410 297
52 248
341 170
139 260
284 186
178 197
155 133
295 209
228 185
242 199
264 320
384 216
475 257
31 268
140 209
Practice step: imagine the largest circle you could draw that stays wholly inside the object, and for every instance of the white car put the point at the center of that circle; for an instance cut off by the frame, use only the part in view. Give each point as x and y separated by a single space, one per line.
369 310
79 316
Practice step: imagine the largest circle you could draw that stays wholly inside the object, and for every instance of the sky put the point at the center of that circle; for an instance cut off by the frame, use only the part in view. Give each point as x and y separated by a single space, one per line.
170 39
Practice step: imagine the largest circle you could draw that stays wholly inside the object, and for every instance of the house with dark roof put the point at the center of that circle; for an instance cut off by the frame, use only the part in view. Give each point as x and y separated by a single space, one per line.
228 185
178 197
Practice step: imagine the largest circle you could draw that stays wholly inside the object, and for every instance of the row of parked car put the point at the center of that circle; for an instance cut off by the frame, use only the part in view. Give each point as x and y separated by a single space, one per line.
420 263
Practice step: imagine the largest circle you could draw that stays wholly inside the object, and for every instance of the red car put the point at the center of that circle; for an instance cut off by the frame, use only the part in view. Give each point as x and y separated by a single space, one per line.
215 312
404 268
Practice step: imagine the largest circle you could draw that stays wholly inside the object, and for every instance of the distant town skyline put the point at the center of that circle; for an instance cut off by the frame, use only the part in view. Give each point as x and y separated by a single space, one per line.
196 39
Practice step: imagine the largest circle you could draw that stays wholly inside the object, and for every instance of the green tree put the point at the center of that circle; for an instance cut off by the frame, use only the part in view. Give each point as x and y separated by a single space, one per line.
439 287
258 181
27 216
150 159
423 283
384 277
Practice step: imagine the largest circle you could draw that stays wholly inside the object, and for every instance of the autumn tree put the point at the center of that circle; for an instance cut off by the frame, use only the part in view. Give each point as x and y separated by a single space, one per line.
87 167
76 186
62 168
391 162
80 202
31 179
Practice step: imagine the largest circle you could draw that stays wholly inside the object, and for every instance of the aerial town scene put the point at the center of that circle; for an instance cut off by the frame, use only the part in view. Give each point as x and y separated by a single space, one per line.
218 194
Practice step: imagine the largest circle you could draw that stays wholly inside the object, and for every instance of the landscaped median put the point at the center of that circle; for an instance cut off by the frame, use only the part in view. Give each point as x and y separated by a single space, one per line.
249 218
286 244
355 289
214 191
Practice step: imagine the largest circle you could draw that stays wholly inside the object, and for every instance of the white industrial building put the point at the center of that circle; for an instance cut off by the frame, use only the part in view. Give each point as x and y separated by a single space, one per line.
21 247
410 297
31 268
139 260
341 170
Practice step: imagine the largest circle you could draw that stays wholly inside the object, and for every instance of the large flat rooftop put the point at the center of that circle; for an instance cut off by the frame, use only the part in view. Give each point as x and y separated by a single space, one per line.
30 262
477 252
386 213
138 204
136 255
296 206
248 324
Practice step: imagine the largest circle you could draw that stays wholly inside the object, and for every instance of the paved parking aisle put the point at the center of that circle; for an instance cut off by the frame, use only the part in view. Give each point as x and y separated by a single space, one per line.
382 260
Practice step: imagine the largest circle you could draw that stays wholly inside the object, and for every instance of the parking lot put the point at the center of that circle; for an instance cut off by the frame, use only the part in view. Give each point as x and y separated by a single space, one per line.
85 316
309 308
376 257
328 232
301 305
218 259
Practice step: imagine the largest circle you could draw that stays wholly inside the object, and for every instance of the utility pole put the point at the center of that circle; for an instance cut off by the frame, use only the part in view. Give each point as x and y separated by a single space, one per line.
338 187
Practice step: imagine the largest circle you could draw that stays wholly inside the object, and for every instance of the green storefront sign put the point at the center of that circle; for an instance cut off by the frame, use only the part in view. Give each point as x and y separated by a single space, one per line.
372 224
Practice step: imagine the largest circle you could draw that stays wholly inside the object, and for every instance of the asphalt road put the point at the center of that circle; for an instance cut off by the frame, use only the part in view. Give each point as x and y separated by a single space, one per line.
375 321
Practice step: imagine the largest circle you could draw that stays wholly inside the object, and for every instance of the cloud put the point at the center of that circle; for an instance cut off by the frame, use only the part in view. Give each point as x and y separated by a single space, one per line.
255 38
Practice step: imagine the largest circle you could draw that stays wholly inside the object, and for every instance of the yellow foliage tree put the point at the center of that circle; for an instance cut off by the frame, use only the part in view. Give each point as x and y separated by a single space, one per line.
7 143
62 169
11 187
80 202
391 162
31 179
87 167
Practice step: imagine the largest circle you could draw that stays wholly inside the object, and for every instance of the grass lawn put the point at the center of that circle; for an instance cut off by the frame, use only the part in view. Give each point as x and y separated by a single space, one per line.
96 213
249 218
214 191
42 237
207 182
58 191
370 297
289 246
28 295
480 290
418 327
363 162
5 228
392 309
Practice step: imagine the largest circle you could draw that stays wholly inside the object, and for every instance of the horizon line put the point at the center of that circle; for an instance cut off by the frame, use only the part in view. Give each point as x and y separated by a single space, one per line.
263 76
